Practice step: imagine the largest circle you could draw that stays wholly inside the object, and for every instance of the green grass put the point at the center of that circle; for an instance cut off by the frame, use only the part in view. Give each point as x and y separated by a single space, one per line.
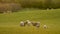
9 23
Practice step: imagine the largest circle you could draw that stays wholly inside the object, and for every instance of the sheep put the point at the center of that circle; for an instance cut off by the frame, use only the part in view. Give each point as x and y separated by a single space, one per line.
37 24
28 22
45 26
22 23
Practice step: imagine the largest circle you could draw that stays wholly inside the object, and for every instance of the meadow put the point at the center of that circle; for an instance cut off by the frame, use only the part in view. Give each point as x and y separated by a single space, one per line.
9 23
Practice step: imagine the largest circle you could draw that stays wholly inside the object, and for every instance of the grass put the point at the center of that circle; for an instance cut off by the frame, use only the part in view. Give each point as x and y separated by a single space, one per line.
9 23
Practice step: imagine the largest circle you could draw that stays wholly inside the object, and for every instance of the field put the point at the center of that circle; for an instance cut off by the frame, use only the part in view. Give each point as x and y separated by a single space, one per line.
9 23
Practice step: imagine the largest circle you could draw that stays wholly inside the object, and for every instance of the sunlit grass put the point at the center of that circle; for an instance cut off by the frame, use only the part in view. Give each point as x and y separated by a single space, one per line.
9 23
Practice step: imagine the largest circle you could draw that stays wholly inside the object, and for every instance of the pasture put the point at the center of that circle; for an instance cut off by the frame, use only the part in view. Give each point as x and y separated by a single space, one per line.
9 23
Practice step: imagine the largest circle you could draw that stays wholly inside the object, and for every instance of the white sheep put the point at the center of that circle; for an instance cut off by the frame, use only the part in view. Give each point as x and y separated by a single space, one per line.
28 22
22 23
45 26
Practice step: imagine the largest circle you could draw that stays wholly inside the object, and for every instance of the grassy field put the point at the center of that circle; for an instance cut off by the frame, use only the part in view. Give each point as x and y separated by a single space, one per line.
9 23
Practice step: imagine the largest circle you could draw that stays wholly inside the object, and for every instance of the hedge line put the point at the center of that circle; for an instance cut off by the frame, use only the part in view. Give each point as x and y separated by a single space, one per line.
41 4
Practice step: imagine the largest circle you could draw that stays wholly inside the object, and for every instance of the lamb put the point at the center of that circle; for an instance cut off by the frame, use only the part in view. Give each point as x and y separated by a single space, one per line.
22 23
45 26
28 22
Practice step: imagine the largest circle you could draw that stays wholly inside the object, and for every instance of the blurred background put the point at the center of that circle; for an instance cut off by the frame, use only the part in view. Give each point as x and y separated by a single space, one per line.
15 5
